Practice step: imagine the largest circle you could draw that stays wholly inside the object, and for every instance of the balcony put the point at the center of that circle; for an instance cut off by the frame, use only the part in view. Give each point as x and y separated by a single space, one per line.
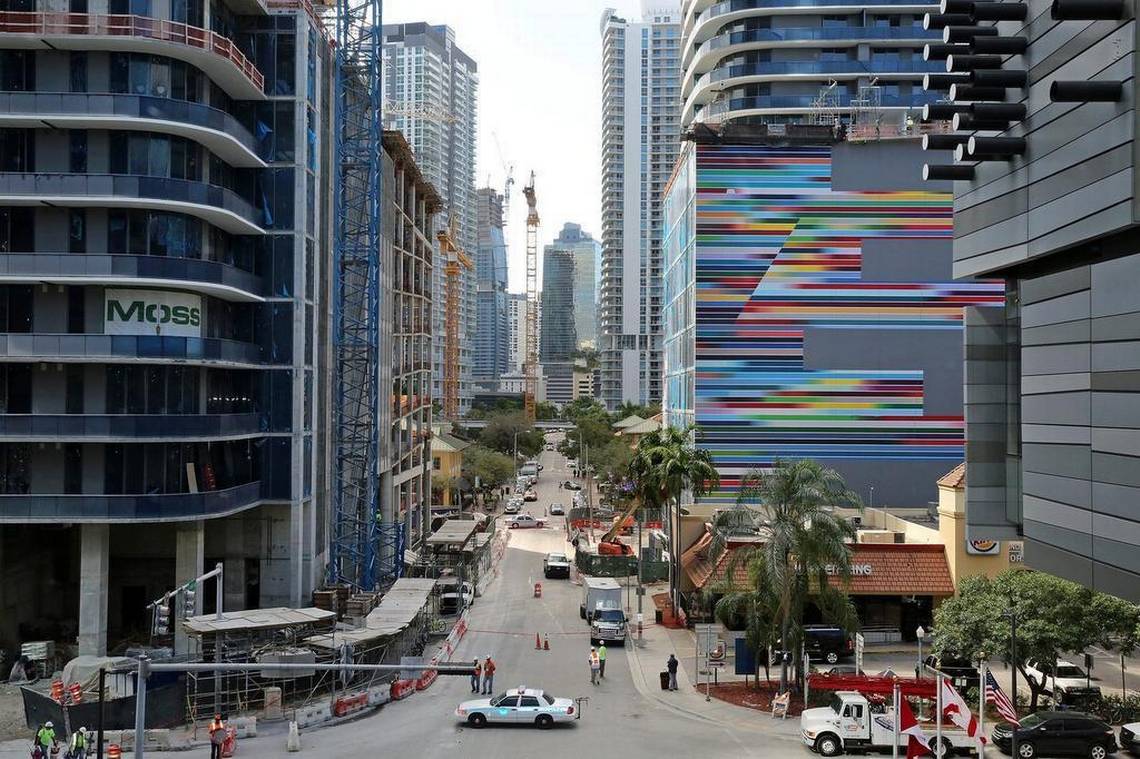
216 56
42 346
208 277
215 129
221 207
712 19
791 104
94 428
129 508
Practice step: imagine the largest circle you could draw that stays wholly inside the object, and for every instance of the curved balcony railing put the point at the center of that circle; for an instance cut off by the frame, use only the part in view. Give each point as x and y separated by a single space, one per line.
809 102
110 508
820 33
852 67
733 6
105 107
49 266
47 346
129 427
127 190
137 27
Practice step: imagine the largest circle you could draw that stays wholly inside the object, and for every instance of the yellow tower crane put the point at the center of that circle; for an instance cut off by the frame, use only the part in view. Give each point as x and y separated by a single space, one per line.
531 298
454 257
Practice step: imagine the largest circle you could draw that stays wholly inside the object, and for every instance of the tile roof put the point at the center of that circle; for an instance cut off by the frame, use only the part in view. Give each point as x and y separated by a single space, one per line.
629 421
442 441
955 478
695 560
895 569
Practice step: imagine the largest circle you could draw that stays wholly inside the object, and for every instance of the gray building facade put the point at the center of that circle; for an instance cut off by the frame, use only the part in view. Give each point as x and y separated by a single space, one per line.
1053 378
492 334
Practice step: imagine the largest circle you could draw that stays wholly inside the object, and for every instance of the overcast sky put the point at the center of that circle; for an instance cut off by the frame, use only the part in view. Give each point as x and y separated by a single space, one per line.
540 94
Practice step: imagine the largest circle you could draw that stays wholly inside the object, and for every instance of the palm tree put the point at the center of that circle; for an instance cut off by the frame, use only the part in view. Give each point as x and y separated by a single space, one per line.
752 610
807 543
665 465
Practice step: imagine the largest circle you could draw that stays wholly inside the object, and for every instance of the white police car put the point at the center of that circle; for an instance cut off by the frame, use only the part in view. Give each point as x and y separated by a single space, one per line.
520 705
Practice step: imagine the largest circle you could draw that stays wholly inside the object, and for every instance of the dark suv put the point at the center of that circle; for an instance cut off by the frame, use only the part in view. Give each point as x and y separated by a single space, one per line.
962 673
1056 734
824 643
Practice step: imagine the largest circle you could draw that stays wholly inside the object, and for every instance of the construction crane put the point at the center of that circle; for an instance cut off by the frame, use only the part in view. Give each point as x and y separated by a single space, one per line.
454 257
367 537
509 171
531 366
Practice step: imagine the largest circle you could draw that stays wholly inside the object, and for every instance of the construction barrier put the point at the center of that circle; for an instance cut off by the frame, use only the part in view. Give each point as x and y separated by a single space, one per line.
114 751
315 714
402 689
57 691
229 745
245 727
426 680
75 690
379 695
350 704
293 742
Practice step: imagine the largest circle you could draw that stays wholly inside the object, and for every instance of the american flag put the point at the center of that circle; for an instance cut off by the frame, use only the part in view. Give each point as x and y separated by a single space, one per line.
997 697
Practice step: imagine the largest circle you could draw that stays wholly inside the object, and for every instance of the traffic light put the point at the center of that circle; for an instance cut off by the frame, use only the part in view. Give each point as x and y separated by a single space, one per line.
189 599
161 619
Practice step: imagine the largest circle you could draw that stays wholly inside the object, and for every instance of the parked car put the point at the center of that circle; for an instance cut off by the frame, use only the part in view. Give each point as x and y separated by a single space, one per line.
1130 737
518 705
1055 734
962 673
572 485
826 643
524 520
456 599
530 495
557 510
556 565
1070 682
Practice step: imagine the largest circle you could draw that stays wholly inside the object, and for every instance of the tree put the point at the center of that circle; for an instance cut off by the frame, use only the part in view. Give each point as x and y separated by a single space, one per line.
664 467
611 461
545 412
499 435
633 409
807 544
753 611
1054 617
595 433
583 408
491 467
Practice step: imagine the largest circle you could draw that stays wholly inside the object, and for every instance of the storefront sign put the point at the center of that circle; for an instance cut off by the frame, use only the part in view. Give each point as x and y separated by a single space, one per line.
983 547
152 312
1016 552
857 570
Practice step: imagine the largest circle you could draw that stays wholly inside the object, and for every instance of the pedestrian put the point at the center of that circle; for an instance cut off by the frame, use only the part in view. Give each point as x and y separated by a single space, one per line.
595 665
476 675
22 671
45 739
602 660
671 665
217 736
488 675
78 746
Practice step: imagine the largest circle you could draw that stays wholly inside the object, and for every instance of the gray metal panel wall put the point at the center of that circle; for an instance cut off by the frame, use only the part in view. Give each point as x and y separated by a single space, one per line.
1076 181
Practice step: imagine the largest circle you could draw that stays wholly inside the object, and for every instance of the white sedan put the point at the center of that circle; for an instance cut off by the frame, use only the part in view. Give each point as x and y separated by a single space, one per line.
524 520
518 706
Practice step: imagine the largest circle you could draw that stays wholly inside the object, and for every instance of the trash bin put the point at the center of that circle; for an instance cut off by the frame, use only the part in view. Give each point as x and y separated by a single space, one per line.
664 681
658 617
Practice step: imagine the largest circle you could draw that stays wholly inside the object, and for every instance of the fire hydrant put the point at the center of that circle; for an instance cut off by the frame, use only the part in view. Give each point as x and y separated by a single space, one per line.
538 590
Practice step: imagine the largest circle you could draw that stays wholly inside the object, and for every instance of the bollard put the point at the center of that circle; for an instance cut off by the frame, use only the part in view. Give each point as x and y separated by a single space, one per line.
293 742
537 643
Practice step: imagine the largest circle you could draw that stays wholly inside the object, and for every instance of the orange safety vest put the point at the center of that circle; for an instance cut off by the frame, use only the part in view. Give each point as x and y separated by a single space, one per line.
489 667
478 668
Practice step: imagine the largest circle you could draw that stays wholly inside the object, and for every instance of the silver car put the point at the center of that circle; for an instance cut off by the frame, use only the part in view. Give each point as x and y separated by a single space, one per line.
518 706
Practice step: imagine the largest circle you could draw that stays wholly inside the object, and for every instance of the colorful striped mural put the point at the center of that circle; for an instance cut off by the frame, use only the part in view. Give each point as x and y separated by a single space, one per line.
779 253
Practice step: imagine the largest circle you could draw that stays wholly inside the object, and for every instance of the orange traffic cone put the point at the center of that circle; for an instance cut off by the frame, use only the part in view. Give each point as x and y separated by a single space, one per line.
545 643
537 643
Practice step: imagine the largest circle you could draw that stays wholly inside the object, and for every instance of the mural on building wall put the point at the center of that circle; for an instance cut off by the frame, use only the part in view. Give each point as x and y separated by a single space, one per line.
779 252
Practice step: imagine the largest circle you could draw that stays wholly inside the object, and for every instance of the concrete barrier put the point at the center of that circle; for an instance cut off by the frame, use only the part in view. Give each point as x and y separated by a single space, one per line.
379 695
246 727
293 742
314 714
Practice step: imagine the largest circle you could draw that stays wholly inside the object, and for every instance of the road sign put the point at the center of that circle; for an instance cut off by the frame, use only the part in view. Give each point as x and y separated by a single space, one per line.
859 653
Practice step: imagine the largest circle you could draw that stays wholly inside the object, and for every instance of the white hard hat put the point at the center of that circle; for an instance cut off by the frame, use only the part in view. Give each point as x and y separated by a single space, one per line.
48 723
83 730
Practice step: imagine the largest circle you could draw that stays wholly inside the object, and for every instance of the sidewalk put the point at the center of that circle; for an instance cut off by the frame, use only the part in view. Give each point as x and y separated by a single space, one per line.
648 660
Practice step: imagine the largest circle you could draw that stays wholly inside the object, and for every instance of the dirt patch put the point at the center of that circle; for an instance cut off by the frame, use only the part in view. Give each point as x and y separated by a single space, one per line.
12 713
753 696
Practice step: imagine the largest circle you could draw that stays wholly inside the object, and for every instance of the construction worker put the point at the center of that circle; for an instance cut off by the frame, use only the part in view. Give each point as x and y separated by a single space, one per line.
602 659
217 736
488 675
78 746
46 740
476 674
595 665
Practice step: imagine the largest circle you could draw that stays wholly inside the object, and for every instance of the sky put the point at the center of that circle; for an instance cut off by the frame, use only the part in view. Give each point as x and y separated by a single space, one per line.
540 86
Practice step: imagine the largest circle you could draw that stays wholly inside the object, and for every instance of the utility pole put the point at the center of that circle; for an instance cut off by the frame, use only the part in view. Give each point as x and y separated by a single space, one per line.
1012 614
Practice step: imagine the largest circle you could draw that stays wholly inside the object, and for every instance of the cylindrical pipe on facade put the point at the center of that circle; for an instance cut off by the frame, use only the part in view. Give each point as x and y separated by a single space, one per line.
963 7
1000 11
998 111
998 78
966 122
1086 92
938 20
947 171
942 111
936 52
1087 10
963 92
999 45
943 141
941 82
970 62
967 33
995 146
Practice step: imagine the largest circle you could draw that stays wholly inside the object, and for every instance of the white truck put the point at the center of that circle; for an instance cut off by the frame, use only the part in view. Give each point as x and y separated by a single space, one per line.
598 591
851 723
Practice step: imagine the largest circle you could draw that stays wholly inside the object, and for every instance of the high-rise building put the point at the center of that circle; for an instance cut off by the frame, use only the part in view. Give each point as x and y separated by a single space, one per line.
165 238
492 336
1052 387
820 331
557 338
516 326
431 95
775 61
587 254
641 70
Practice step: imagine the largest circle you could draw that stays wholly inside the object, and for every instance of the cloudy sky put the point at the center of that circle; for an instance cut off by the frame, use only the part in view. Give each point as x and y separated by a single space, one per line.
540 95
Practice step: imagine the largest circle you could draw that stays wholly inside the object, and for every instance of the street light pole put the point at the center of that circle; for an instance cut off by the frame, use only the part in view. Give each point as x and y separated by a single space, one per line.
1013 666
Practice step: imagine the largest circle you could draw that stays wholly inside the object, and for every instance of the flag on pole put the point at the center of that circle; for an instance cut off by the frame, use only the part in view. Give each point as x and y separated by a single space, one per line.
954 708
996 696
917 743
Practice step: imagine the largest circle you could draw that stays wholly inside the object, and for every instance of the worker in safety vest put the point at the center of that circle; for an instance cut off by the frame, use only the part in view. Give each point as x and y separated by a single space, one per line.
595 665
217 736
77 749
488 675
45 739
476 674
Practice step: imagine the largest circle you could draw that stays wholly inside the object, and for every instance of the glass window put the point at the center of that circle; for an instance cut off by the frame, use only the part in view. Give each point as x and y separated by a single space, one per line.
140 74
136 390
78 162
19 389
74 396
116 393
17 70
76 310
113 469
120 72
79 64
133 469
17 229
160 77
